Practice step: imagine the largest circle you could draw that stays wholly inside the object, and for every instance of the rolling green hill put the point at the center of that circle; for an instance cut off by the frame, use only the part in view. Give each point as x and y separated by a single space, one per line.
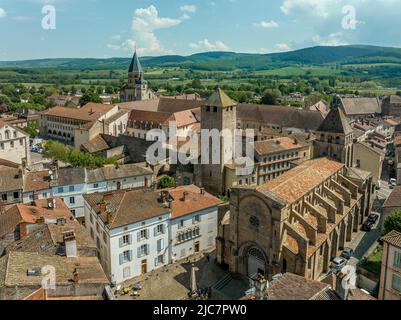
228 61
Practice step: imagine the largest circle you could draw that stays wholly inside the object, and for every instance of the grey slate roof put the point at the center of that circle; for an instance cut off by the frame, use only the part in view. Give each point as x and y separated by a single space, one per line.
135 64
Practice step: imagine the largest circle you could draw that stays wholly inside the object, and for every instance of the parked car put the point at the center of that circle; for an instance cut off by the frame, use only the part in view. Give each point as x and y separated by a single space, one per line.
347 253
337 264
393 182
367 226
379 185
373 217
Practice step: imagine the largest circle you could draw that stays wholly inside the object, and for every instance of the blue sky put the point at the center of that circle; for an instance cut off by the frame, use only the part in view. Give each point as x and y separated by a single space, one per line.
106 28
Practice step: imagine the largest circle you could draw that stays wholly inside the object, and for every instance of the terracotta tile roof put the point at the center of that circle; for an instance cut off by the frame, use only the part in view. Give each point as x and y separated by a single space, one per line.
36 181
393 238
279 144
149 116
89 112
89 269
361 106
322 106
195 201
22 213
128 206
10 180
95 145
293 287
182 118
162 104
137 205
394 200
69 176
298 181
111 172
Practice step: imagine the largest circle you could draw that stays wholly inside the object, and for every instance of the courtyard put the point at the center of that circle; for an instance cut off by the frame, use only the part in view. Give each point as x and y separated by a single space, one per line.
172 282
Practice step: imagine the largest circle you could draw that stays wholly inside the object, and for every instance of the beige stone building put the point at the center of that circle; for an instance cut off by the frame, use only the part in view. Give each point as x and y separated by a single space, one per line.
390 279
370 158
295 223
334 138
76 126
276 156
14 144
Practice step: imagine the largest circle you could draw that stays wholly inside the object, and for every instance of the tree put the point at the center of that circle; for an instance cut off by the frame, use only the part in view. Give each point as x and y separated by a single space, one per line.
90 96
270 96
392 222
166 182
196 84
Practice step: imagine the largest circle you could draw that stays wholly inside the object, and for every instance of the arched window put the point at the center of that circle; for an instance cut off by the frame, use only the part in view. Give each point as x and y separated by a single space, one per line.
7 133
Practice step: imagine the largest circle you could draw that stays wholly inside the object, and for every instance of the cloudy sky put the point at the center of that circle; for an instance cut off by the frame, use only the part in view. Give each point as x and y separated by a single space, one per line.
113 28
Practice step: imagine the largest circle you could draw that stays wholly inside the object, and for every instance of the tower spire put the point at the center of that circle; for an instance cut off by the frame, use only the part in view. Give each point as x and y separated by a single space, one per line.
135 64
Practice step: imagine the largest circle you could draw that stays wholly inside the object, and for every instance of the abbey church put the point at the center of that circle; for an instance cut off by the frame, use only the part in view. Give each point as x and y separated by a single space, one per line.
137 87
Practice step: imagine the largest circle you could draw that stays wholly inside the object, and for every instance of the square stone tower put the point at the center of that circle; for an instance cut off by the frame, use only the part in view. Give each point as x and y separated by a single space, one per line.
335 138
218 113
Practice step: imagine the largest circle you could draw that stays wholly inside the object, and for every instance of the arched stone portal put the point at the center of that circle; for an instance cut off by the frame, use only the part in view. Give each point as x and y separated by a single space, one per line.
256 262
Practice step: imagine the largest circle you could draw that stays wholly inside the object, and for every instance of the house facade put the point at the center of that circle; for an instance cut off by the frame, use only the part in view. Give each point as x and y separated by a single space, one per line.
390 280
14 144
139 231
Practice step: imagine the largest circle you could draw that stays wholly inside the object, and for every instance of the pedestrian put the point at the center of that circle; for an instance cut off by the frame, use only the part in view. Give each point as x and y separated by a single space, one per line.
208 258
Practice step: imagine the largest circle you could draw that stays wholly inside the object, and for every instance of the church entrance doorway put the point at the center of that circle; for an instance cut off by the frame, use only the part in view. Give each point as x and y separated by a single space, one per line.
256 263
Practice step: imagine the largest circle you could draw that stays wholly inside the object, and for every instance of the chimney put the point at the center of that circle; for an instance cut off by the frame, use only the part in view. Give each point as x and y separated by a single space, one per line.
185 196
109 217
70 243
51 203
102 206
202 191
76 275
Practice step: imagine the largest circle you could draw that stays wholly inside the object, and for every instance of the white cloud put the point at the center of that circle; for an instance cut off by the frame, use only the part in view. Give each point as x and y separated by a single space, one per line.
319 8
205 44
333 39
188 8
3 13
283 47
266 24
144 24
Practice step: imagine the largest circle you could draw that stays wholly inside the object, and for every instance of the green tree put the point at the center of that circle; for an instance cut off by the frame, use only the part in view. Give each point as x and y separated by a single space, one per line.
392 222
90 96
166 182
270 96
196 84
4 100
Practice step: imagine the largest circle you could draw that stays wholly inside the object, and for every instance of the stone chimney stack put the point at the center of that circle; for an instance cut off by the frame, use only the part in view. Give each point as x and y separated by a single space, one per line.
185 196
70 243
76 276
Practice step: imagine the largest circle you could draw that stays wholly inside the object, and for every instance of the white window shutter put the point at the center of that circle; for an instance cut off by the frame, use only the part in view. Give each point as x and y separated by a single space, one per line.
156 262
130 239
121 258
147 233
139 236
147 249
161 244
155 231
121 241
130 255
139 252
